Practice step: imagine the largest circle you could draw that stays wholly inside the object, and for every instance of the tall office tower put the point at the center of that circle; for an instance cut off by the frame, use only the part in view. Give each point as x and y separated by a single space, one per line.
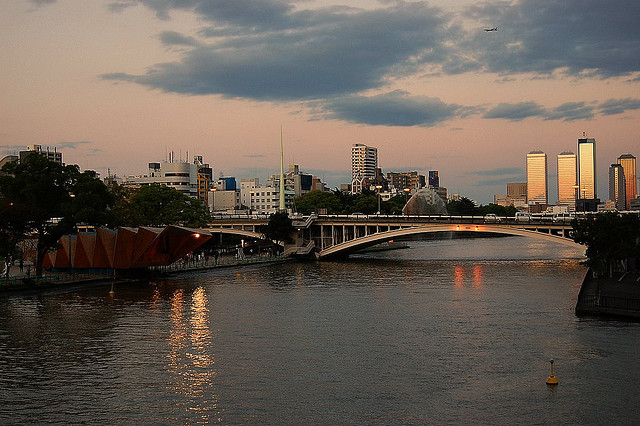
537 187
617 186
364 162
567 175
587 177
434 179
628 163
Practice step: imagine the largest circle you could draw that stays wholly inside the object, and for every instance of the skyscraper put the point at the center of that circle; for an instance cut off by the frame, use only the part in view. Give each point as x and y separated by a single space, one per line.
537 186
587 178
567 175
628 163
364 162
617 186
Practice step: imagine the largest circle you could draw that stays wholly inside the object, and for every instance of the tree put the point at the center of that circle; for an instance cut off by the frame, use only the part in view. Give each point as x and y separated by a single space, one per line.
315 200
159 205
280 228
611 239
394 205
462 207
498 210
46 199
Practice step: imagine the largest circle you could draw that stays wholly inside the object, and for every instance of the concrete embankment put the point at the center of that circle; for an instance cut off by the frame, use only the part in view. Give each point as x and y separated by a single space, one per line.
613 297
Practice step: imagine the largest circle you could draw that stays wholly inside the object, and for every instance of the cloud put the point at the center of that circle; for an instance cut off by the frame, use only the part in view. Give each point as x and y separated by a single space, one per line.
570 111
172 38
577 37
305 54
42 2
496 177
119 7
391 109
72 145
516 112
618 106
333 57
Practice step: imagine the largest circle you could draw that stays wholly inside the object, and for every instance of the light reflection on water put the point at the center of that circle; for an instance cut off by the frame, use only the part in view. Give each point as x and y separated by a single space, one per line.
190 363
446 332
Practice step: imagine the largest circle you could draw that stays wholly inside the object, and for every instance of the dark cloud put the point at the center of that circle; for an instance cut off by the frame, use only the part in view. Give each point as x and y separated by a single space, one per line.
579 37
172 38
314 55
516 112
568 111
391 109
42 2
273 50
119 7
618 106
571 111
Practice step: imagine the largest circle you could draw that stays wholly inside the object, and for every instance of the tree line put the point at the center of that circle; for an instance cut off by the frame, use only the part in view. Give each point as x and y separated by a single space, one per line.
45 200
367 202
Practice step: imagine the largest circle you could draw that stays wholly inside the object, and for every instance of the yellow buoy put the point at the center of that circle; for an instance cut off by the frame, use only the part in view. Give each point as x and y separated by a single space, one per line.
111 293
552 379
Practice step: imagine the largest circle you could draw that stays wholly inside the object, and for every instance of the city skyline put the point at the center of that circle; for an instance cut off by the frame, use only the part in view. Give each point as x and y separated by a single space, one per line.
122 83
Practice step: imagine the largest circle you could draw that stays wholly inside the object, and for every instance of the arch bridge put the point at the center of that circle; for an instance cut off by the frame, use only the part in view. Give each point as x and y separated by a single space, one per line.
325 236
340 235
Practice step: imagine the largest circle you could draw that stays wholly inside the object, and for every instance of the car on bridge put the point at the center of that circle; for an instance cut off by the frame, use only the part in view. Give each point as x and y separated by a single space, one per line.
492 218
523 217
562 217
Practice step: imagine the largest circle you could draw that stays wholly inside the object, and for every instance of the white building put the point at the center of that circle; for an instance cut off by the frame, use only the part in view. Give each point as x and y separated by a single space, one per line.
227 201
364 162
180 176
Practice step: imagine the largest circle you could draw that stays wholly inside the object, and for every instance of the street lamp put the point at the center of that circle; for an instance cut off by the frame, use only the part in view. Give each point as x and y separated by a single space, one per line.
406 194
575 196
379 187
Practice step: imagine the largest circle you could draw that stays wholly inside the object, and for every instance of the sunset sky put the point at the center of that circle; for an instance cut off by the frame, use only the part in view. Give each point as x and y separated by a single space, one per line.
117 84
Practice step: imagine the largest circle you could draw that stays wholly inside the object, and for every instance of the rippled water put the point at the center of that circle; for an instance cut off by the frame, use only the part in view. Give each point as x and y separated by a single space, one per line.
445 332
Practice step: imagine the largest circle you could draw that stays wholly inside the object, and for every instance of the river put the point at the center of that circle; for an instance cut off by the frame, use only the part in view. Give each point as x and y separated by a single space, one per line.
445 332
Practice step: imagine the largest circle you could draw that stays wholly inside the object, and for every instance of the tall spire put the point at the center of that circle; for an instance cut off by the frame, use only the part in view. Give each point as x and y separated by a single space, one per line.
282 206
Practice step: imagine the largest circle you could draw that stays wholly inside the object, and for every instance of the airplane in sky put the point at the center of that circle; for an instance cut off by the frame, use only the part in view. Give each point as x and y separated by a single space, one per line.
491 29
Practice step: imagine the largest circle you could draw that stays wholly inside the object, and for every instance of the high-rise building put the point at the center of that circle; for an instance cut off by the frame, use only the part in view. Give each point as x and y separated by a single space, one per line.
587 177
405 180
628 163
537 185
617 186
364 162
567 175
434 179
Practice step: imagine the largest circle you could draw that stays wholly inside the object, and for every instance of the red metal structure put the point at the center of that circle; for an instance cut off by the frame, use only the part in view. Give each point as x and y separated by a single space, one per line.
125 248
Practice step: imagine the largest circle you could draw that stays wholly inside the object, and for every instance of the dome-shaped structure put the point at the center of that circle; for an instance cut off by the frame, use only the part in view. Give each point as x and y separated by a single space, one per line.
425 201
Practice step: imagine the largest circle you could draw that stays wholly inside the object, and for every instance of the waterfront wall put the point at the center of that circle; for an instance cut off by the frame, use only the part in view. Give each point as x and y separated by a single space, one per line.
616 297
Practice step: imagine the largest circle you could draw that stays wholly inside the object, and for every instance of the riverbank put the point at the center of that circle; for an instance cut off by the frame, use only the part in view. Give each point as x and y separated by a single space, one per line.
612 297
22 284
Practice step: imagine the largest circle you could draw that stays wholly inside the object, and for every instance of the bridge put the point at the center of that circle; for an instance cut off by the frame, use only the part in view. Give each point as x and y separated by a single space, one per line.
325 236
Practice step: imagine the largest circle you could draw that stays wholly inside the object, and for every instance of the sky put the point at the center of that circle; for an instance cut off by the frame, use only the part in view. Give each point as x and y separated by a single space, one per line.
116 84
